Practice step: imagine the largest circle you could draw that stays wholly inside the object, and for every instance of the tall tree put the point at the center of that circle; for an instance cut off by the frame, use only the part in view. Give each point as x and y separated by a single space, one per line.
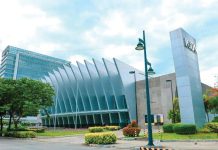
32 95
206 105
23 97
174 114
212 98
7 95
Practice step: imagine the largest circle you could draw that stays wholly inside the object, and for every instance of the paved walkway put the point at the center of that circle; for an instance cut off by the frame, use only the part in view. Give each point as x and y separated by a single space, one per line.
77 143
134 144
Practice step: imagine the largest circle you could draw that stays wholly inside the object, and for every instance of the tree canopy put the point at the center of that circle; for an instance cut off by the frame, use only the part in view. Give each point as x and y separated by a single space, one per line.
22 97
212 99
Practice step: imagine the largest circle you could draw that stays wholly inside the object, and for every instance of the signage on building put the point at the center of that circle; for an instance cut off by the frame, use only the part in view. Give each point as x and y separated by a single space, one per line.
190 45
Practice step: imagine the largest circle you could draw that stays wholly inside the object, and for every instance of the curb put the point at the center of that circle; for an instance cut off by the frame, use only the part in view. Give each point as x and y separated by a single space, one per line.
48 137
189 140
13 138
101 145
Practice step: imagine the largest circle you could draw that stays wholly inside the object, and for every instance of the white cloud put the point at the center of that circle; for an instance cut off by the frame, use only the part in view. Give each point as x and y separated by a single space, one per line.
208 75
157 20
20 23
116 24
112 50
119 25
207 55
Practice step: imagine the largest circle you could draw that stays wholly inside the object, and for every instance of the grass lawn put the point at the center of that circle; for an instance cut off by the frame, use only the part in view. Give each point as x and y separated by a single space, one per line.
63 132
174 136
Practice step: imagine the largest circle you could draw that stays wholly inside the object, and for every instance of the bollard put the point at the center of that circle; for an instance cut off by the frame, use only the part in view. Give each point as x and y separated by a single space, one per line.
145 132
159 134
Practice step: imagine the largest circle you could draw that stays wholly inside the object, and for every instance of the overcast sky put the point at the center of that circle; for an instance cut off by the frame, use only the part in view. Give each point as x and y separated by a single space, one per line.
83 29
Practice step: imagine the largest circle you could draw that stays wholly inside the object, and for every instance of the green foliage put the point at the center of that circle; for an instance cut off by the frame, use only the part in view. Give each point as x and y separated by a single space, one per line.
184 128
174 114
215 119
212 100
25 134
9 134
100 138
168 128
204 130
5 122
197 136
213 127
96 129
18 128
37 130
112 128
132 129
21 134
23 97
206 105
61 132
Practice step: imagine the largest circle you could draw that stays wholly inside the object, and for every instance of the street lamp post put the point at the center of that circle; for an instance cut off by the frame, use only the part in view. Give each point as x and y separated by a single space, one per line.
133 72
171 87
142 46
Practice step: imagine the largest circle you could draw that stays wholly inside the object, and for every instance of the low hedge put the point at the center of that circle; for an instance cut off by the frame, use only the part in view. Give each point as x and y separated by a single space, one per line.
100 138
20 134
37 130
168 128
185 128
204 130
112 128
213 126
19 128
25 134
96 129
9 133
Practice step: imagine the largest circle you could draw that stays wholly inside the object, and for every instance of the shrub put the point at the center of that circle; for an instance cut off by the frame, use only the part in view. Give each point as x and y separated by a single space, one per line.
96 129
213 126
134 123
215 119
19 128
24 134
168 128
37 130
2 133
112 128
9 133
131 129
132 132
20 134
184 128
5 122
100 138
25 123
204 130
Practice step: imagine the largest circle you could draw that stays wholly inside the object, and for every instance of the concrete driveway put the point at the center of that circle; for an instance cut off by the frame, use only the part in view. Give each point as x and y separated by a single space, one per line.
77 143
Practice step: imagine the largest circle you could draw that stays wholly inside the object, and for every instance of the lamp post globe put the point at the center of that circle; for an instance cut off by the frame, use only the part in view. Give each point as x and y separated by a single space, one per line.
139 47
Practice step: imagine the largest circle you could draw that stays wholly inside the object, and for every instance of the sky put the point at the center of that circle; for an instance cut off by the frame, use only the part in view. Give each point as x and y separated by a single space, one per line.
75 30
